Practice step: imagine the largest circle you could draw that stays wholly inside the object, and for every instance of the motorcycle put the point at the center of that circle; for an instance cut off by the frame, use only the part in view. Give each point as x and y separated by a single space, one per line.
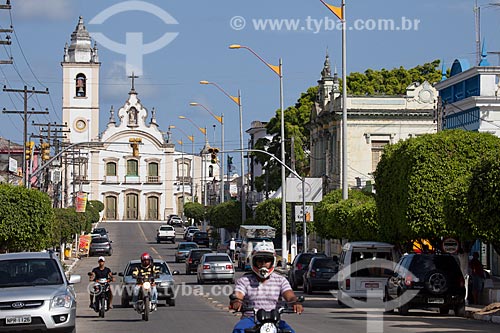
267 321
144 305
100 292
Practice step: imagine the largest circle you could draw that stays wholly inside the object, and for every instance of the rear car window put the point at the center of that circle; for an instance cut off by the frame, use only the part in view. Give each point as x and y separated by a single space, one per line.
100 240
201 234
372 270
324 263
422 264
217 258
198 254
167 227
187 246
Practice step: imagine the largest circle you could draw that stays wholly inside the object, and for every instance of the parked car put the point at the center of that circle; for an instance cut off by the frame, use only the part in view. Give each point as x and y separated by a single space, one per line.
189 234
165 233
215 267
36 294
165 284
320 275
363 271
435 280
183 249
299 266
100 246
193 258
200 238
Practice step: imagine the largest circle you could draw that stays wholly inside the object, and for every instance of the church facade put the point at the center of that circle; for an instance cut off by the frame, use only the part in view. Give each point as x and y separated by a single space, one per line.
130 166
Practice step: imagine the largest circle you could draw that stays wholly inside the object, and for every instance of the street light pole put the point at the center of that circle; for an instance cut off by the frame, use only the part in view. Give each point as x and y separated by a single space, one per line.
279 71
237 100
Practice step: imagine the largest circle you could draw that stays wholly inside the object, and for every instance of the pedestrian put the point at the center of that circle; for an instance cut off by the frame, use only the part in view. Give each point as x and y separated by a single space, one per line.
476 274
232 248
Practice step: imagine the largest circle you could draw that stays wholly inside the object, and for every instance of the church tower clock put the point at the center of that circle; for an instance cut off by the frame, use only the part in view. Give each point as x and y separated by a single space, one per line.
81 86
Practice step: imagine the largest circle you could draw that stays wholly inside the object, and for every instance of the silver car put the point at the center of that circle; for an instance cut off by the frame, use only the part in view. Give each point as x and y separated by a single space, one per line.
36 294
183 249
165 284
215 267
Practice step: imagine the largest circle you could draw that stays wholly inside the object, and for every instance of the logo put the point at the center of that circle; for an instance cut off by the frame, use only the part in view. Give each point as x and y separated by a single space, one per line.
134 49
17 305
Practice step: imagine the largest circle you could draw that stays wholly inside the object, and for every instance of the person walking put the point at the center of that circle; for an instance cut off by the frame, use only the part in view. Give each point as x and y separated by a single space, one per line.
232 248
476 274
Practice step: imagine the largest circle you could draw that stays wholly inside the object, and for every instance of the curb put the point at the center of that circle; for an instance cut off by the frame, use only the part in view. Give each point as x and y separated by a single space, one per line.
491 318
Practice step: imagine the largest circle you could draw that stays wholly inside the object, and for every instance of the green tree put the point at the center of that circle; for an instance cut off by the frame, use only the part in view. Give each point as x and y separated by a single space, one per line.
194 210
65 223
354 219
416 180
483 200
26 218
226 215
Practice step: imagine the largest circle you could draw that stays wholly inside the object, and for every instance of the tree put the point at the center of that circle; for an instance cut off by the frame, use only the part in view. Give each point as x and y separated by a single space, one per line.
65 225
226 215
417 179
194 210
483 200
26 218
354 219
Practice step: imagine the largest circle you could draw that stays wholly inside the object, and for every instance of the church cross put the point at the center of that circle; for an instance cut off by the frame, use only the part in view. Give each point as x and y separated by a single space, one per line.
133 77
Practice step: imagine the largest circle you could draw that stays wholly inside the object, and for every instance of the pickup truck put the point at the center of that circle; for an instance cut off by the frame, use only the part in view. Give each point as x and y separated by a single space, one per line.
165 233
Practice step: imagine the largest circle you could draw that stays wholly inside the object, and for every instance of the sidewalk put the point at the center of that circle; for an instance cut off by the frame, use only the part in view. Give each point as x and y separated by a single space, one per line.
489 313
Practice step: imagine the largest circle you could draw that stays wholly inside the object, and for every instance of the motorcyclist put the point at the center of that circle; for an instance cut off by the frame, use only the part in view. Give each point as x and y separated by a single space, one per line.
262 288
102 272
146 272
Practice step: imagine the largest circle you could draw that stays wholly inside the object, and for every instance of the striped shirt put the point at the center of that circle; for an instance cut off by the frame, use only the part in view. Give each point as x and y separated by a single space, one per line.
261 295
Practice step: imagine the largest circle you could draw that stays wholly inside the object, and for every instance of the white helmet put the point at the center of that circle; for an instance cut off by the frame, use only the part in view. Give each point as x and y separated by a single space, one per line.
263 250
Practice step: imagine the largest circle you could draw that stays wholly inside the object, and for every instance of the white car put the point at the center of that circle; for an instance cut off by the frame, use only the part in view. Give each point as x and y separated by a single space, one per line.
165 233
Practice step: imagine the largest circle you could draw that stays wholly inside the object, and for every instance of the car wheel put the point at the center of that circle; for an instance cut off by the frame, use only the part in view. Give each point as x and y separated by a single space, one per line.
188 272
404 309
293 284
459 310
157 241
124 302
176 260
171 301
444 310
309 288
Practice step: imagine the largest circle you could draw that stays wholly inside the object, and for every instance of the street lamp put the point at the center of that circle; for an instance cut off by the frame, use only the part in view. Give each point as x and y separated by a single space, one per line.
340 13
237 100
278 70
220 119
203 182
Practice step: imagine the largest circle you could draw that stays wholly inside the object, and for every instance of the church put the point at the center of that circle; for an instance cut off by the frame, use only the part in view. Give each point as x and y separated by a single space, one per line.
130 166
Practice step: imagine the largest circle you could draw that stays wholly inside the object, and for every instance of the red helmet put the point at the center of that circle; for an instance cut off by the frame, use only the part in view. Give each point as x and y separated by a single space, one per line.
146 256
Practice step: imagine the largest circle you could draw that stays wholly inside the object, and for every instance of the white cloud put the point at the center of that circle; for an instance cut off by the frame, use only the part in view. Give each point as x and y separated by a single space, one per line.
42 9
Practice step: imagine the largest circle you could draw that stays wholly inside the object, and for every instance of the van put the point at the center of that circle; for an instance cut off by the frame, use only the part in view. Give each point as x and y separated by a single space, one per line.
250 236
364 268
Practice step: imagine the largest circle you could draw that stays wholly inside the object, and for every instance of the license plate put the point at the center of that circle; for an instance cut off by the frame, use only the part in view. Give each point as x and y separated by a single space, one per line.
219 268
17 320
435 301
371 285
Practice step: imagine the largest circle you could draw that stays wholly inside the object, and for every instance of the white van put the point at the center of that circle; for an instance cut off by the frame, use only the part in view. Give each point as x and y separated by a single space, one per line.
364 268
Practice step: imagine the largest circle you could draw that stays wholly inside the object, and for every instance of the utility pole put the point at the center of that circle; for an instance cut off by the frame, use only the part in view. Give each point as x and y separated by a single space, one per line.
26 94
7 31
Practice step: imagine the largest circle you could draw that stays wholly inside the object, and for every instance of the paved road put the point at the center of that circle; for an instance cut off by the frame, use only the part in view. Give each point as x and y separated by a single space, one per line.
204 308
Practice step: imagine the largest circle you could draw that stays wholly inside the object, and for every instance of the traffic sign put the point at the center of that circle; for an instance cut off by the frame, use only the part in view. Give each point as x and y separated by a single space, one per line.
451 245
309 213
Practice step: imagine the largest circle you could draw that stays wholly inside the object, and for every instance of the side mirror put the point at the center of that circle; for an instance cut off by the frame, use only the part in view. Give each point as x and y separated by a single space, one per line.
176 272
120 274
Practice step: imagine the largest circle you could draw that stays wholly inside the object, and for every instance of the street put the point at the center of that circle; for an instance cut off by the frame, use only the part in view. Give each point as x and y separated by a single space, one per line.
204 308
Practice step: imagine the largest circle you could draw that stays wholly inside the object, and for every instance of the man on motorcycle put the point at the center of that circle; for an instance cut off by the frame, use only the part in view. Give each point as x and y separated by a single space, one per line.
102 272
262 288
147 271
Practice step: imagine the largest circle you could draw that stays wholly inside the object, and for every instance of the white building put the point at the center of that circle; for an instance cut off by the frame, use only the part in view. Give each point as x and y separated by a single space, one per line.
149 184
372 122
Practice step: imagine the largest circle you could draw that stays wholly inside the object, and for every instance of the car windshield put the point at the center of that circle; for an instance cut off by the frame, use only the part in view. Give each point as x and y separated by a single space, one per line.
29 272
217 258
163 268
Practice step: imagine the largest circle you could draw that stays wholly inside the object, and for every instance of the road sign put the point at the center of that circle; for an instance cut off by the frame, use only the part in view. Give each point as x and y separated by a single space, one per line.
309 214
451 245
313 188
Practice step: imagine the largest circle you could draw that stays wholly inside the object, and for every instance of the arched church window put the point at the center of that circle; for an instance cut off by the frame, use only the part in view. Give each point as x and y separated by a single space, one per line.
210 171
81 85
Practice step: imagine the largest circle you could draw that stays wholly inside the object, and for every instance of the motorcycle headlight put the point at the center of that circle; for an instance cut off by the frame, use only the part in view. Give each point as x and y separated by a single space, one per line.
268 328
165 283
61 301
146 285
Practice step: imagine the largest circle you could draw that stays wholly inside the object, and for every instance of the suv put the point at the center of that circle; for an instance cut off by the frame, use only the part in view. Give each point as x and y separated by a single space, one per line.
36 295
100 232
432 280
200 238
299 267
193 258
100 246
165 233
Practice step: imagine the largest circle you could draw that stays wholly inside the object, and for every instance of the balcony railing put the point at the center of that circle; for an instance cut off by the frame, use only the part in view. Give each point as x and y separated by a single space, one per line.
184 180
153 179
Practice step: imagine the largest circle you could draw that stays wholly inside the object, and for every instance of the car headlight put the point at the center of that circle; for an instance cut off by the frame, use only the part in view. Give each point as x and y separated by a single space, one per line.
61 301
166 283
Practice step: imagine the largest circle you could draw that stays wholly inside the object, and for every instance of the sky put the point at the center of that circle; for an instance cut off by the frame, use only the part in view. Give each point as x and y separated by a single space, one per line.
186 42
